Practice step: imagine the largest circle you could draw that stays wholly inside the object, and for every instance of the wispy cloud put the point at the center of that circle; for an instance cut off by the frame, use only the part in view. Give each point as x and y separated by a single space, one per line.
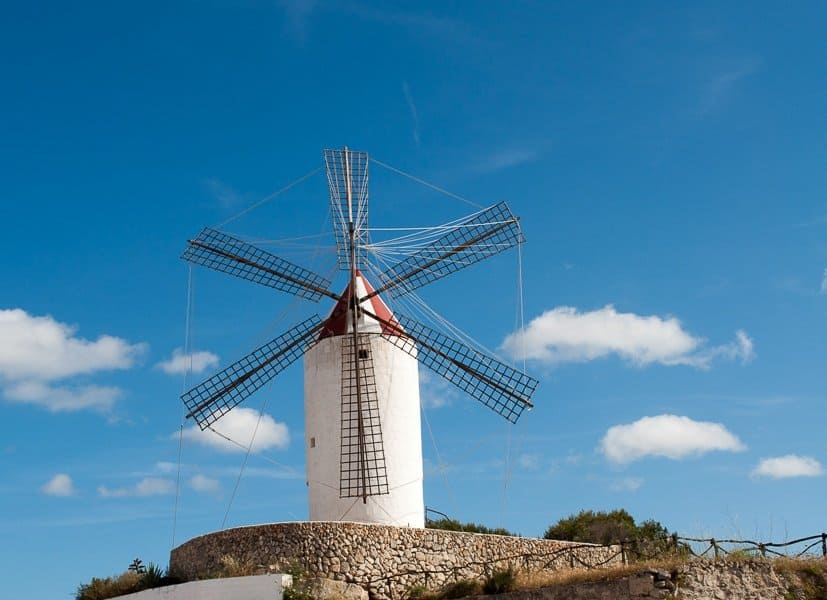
63 398
625 484
37 351
791 465
823 287
298 13
421 23
435 392
529 462
719 87
667 436
412 107
181 363
205 485
148 486
565 334
225 194
504 158
61 485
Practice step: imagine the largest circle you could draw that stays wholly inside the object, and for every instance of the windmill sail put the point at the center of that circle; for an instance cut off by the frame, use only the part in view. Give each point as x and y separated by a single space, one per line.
478 237
362 470
222 252
347 182
501 388
210 400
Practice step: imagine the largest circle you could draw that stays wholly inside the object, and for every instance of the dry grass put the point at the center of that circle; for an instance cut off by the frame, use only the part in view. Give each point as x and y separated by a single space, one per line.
808 577
232 567
539 579
109 587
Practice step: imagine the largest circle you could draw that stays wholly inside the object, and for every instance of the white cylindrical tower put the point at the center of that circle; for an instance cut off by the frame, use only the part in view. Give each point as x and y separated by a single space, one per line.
396 375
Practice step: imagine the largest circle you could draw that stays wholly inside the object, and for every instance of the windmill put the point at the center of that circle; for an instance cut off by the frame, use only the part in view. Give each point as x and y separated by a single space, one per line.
361 375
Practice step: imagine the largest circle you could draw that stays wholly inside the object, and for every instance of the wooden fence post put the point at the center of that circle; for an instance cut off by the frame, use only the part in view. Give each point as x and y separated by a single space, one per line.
824 544
714 547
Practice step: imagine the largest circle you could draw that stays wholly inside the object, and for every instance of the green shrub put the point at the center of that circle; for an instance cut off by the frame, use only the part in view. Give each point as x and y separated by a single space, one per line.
454 525
418 592
647 540
461 589
128 582
233 567
500 581
109 587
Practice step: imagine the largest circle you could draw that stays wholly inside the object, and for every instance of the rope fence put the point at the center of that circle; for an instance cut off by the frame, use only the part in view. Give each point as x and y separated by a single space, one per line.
811 545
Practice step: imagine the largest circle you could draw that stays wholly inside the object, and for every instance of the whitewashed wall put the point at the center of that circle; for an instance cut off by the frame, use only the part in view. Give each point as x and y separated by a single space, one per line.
257 587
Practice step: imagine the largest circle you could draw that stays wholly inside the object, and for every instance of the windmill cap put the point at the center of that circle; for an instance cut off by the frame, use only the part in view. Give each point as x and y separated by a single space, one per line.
338 321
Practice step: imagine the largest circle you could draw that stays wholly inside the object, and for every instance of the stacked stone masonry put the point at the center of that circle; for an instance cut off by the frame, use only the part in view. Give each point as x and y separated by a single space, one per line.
387 561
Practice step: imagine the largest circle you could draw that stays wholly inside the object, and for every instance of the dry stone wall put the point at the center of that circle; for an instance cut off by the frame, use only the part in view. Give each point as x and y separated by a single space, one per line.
385 560
649 584
698 579
754 579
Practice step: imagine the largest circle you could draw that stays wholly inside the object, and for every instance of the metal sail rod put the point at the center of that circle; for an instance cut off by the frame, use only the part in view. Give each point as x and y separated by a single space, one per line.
456 250
244 261
199 407
353 301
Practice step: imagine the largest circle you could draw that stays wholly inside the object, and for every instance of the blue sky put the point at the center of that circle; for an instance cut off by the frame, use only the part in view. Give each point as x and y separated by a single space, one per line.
666 162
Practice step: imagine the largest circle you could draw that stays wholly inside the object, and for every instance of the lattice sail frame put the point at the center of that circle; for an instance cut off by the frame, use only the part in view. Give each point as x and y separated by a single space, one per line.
338 165
498 386
212 399
221 252
362 468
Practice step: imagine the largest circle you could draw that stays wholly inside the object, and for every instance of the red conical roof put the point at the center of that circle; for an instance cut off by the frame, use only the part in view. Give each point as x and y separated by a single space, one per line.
339 320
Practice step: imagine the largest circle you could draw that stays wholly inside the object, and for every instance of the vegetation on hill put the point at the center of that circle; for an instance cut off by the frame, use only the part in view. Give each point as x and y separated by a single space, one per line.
454 525
134 580
648 539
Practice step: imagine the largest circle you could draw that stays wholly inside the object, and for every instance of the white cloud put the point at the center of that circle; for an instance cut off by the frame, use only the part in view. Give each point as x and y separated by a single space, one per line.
412 108
505 158
669 436
59 485
824 282
530 462
239 425
717 90
207 485
564 334
36 352
181 363
44 349
626 484
434 391
227 196
63 399
148 486
790 465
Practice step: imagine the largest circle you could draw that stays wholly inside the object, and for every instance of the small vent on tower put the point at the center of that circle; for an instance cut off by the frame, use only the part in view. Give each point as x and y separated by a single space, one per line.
312 442
363 353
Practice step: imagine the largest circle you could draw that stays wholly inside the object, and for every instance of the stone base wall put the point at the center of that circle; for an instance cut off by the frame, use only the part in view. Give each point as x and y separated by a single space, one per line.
385 560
